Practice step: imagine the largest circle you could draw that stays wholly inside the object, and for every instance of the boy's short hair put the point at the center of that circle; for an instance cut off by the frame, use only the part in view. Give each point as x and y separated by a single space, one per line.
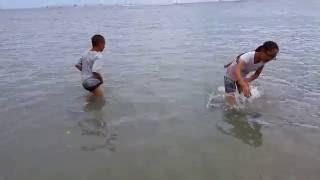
96 39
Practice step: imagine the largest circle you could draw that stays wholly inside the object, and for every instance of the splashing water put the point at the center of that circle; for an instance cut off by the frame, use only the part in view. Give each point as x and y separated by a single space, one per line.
255 94
216 100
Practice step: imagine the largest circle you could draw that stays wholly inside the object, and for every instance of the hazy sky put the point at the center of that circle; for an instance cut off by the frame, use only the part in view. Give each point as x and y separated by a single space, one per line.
39 3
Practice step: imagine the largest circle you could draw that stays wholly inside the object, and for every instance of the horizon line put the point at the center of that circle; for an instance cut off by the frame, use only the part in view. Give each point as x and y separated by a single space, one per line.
115 4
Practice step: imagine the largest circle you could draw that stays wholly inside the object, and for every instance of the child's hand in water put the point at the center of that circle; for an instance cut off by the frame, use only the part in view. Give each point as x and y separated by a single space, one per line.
246 89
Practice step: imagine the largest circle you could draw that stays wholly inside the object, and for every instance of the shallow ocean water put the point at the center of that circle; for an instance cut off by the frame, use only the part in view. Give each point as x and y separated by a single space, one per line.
163 66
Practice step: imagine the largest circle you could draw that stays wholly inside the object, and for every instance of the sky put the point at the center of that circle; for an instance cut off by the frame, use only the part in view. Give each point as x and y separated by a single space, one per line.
4 4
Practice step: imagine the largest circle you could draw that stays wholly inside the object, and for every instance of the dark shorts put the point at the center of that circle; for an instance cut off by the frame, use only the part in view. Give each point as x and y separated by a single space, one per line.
92 83
230 85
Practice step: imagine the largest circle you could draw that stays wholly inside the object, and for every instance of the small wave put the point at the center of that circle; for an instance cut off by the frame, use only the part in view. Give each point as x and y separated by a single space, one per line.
215 101
259 121
305 125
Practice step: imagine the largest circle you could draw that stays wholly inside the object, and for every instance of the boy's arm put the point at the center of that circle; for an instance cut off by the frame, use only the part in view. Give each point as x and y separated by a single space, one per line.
97 66
256 74
79 65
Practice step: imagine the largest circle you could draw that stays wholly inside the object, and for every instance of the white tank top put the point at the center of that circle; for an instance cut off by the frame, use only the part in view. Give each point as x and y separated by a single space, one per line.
90 62
250 66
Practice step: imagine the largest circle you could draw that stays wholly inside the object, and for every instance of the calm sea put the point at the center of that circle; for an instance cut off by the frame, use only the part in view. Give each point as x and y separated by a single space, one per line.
163 116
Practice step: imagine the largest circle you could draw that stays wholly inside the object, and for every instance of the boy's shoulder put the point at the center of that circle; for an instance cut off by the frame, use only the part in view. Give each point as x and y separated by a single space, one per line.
85 53
92 54
98 55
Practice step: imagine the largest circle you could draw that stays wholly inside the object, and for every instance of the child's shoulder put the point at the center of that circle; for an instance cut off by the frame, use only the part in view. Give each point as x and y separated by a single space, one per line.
91 54
85 53
247 55
250 53
96 54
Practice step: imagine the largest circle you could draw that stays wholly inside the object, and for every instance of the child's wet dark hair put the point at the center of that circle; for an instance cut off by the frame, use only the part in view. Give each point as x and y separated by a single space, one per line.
267 46
96 39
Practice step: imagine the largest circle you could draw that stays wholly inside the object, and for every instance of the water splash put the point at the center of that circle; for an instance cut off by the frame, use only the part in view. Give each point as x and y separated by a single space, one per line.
216 99
256 93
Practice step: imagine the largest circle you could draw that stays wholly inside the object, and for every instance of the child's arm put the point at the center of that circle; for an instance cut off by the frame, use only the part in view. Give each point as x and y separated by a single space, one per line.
244 85
97 69
79 65
255 75
97 66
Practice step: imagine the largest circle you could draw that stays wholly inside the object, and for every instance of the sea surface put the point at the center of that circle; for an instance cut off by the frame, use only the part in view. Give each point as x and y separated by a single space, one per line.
163 115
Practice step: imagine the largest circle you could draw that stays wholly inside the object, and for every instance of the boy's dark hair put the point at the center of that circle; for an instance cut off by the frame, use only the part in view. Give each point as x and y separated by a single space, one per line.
96 39
267 46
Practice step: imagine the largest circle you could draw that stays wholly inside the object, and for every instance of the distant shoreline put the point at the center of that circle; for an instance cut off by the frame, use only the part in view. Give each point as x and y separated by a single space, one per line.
115 5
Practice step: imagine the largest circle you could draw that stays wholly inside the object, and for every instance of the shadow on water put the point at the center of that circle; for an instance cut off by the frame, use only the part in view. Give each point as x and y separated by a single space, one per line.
96 125
238 126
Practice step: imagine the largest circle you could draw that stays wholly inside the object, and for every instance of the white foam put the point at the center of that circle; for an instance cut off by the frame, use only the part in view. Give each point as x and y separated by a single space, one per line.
255 94
305 125
259 121
216 100
221 89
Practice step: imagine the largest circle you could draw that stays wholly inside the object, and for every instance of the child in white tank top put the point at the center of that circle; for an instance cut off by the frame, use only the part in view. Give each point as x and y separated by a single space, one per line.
90 66
238 70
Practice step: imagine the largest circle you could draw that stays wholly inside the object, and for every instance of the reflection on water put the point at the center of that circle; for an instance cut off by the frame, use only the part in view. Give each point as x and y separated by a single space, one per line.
94 103
239 127
96 125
